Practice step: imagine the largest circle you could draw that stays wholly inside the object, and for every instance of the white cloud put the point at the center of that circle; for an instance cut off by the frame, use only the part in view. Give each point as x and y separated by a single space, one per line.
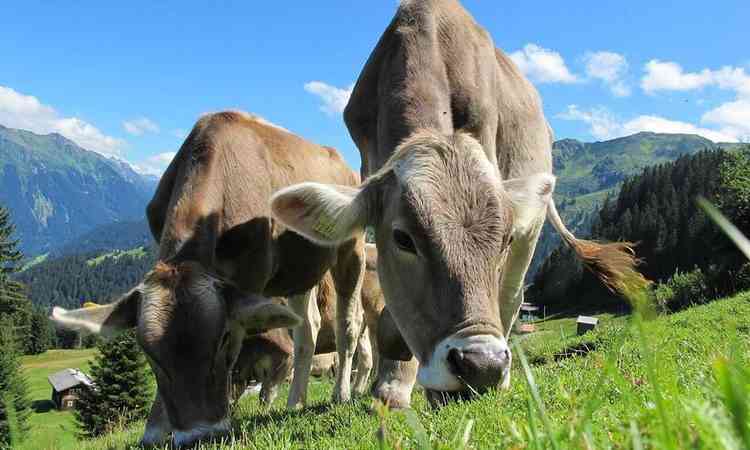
609 67
140 126
542 65
732 117
155 165
661 125
604 125
670 76
334 98
27 112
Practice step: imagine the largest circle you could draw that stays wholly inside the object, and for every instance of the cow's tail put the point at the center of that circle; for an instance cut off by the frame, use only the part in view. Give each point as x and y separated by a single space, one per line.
615 263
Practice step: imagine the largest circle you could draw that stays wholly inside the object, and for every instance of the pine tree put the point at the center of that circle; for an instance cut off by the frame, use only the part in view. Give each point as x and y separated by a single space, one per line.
41 333
13 301
14 400
122 391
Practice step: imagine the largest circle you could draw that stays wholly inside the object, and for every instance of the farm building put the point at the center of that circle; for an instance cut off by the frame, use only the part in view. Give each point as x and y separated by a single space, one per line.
586 323
66 386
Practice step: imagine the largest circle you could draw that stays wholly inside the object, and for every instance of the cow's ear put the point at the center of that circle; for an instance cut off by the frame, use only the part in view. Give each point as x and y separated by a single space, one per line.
257 314
529 198
106 320
390 342
326 214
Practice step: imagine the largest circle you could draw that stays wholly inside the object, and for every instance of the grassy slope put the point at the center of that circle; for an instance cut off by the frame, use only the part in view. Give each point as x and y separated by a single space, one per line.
138 252
597 391
51 428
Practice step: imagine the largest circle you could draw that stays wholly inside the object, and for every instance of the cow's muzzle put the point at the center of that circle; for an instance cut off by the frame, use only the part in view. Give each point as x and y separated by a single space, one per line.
201 432
472 364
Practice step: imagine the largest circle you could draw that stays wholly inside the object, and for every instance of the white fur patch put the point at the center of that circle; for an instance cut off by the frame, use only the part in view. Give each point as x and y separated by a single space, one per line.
62 317
530 197
437 374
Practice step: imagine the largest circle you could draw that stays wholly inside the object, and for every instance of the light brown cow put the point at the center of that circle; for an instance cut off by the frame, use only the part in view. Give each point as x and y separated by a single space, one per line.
458 154
222 256
268 357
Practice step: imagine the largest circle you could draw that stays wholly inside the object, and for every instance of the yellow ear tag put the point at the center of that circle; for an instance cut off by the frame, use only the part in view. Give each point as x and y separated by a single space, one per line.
90 305
325 226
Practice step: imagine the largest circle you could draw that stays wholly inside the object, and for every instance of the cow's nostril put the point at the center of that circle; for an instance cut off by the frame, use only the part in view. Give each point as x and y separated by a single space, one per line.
456 361
479 369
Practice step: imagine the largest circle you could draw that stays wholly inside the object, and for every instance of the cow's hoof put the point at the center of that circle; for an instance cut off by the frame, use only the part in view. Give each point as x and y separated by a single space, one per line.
392 396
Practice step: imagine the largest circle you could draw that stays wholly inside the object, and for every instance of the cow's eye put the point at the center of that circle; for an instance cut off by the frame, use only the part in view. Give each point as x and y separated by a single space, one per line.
403 241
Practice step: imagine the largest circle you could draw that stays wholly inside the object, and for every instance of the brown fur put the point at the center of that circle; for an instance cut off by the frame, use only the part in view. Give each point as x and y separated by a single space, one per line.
221 256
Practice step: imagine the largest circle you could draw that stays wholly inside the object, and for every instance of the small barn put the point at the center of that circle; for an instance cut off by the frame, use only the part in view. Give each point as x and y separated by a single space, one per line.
66 387
586 323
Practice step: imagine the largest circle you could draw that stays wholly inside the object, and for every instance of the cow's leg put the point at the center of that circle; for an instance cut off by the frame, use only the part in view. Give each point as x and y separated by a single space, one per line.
364 363
305 337
395 382
281 370
268 393
158 427
511 286
348 274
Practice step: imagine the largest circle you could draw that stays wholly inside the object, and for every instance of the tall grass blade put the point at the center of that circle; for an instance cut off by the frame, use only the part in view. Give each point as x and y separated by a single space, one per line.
537 399
733 381
726 226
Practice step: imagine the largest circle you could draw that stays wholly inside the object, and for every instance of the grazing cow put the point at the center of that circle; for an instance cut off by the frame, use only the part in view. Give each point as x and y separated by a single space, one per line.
221 256
458 154
268 357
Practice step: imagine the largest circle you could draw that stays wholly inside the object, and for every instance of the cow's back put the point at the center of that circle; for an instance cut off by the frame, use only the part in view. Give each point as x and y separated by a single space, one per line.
436 68
212 203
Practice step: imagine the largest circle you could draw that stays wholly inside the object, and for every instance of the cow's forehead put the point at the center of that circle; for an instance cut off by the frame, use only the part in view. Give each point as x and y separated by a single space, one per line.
454 199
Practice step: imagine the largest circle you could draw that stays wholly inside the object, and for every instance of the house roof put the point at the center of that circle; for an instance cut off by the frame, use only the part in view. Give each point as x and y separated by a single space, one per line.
587 320
68 378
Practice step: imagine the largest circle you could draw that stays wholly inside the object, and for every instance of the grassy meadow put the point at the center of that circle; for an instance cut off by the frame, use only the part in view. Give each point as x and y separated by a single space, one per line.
49 427
670 382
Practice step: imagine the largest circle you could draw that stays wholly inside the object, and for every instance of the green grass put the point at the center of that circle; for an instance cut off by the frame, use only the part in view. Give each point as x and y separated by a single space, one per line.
50 428
675 382
138 252
34 261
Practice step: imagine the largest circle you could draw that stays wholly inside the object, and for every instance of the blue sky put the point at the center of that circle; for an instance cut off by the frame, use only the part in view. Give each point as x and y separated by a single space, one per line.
130 78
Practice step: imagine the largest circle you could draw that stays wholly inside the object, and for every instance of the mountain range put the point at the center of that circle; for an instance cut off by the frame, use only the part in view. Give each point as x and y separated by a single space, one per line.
57 191
67 200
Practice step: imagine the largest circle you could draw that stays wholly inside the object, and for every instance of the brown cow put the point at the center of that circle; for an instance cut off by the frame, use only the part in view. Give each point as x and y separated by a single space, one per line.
221 256
458 154
267 357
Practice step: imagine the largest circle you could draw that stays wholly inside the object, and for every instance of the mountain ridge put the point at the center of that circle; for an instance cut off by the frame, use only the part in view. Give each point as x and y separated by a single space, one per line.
57 190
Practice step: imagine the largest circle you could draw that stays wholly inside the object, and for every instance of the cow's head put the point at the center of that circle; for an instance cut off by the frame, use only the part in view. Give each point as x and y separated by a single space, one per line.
267 358
444 222
191 327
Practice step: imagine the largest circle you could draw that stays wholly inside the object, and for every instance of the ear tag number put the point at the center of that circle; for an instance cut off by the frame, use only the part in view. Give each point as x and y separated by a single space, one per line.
325 226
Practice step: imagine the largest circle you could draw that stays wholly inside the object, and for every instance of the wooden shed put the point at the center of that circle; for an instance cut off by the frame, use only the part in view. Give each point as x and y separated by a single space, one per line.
586 323
66 386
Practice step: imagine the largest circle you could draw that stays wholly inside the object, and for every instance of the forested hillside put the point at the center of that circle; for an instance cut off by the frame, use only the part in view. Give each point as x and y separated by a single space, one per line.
588 172
68 281
657 209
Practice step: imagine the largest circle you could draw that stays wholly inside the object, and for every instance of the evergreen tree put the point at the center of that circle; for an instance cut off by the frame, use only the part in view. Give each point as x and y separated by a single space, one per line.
122 391
13 302
41 333
14 400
